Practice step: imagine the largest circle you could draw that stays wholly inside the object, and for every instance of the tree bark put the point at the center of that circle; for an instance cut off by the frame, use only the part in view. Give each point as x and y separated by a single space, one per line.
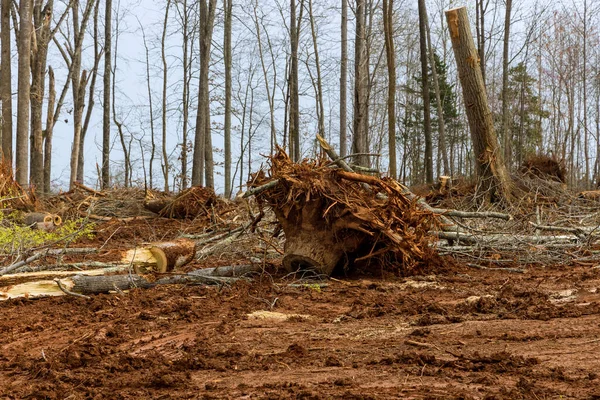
23 95
294 96
203 161
227 4
49 130
165 156
425 94
343 82
480 10
361 81
150 110
505 115
185 101
493 177
5 81
41 20
319 88
438 99
78 83
93 74
106 95
390 51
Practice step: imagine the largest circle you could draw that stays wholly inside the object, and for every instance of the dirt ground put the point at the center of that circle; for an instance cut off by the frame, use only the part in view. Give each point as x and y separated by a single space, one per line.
464 334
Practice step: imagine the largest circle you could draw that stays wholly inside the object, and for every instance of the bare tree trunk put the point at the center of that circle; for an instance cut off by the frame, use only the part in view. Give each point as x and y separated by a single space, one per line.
361 78
165 156
293 84
151 111
119 124
505 116
49 130
586 179
227 5
270 95
23 95
438 97
106 96
492 174
425 93
93 74
203 139
185 95
321 107
78 82
5 82
480 10
343 82
41 21
390 51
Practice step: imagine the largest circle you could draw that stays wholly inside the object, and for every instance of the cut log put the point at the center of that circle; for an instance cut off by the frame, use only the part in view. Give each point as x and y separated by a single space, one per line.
95 284
42 220
12 279
161 256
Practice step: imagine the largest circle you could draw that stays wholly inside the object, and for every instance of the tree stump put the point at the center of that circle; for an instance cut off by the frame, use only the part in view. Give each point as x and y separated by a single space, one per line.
312 243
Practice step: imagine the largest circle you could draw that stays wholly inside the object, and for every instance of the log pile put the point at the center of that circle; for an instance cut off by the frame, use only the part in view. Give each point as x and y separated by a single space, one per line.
334 218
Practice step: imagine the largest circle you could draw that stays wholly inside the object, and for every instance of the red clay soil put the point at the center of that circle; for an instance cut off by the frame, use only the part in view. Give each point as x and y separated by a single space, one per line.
466 334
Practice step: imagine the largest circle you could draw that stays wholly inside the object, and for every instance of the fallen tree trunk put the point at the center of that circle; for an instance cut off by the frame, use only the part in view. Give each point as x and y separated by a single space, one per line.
90 283
161 256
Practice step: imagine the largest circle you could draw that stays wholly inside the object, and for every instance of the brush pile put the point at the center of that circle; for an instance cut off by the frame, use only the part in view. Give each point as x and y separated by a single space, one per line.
333 218
12 195
191 203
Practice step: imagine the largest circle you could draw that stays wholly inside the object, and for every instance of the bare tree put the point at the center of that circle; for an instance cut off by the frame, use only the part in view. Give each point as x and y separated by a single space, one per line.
5 81
270 94
49 129
319 84
125 145
91 91
505 61
293 83
480 11
425 93
343 81
388 11
79 79
150 111
23 95
203 140
227 6
41 35
163 56
184 15
106 95
360 140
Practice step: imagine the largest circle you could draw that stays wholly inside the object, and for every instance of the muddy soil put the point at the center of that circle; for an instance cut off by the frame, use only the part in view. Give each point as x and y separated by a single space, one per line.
463 334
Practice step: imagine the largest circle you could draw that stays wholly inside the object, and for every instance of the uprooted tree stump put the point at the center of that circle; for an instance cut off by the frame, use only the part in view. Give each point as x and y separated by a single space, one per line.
333 218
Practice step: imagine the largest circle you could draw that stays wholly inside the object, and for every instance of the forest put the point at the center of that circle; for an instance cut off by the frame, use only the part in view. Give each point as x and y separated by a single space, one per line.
355 199
200 91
